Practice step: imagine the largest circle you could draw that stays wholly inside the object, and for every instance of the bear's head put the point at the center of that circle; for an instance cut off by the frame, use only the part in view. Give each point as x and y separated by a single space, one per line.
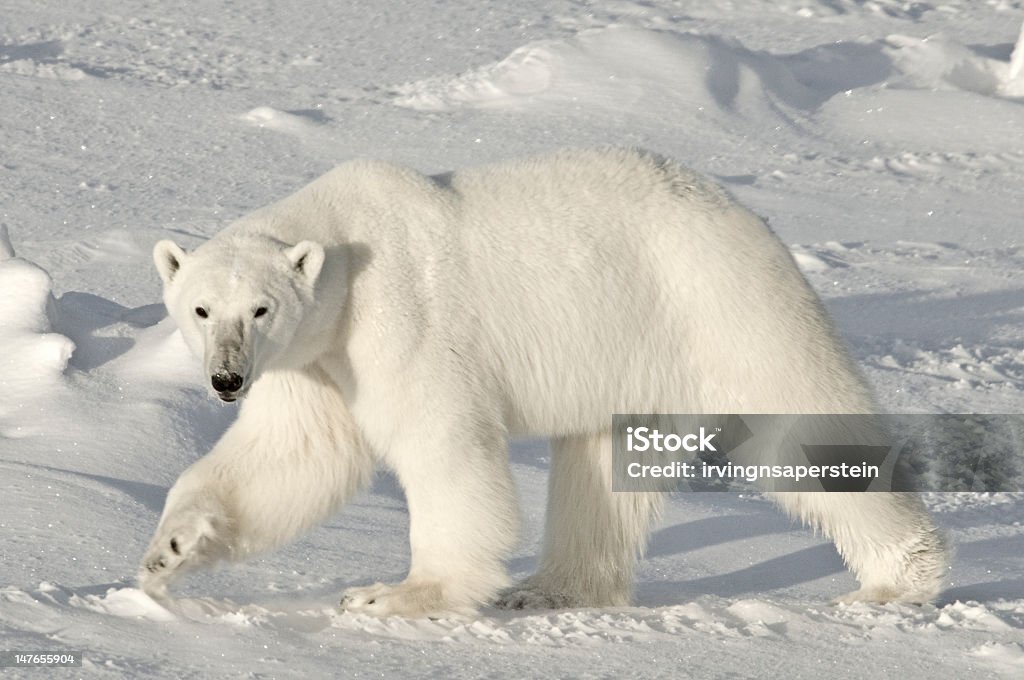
243 304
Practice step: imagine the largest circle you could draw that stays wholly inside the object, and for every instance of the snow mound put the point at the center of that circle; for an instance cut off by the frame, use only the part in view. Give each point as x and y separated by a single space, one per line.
621 67
159 356
280 121
810 262
864 92
32 357
631 68
124 602
941 63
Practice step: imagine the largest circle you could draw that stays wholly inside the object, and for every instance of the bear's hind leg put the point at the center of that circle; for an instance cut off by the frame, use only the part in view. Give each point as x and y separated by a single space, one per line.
593 536
887 539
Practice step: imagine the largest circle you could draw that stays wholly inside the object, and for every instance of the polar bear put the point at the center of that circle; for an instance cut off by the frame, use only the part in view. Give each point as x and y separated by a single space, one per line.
379 316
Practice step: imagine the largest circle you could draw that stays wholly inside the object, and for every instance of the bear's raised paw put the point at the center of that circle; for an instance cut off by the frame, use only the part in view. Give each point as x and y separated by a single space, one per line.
184 541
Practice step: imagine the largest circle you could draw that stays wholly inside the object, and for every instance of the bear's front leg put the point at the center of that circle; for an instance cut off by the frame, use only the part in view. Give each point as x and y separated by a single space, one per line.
192 533
284 465
463 522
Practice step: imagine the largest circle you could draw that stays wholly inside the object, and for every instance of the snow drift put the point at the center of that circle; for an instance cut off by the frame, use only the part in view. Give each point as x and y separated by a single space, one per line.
32 357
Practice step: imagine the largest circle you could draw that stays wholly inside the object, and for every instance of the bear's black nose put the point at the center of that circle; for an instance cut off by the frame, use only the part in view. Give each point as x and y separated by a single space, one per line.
226 382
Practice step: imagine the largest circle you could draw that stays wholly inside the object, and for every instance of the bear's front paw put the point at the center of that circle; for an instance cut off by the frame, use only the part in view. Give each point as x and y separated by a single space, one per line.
411 599
182 542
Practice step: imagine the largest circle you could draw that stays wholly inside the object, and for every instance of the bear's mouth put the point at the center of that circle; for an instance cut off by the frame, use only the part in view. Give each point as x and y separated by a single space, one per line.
231 397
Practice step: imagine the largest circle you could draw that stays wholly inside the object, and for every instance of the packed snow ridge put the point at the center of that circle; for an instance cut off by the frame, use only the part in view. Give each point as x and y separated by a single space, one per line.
34 357
620 65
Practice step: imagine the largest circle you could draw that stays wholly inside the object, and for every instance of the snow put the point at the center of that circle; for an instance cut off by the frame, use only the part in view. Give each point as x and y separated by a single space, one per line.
884 140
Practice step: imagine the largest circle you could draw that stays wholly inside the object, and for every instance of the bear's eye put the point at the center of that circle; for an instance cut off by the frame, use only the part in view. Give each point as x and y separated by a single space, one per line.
260 311
201 312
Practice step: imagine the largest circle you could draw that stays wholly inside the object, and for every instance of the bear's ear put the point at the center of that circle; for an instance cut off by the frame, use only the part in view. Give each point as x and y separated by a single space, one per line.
168 258
307 258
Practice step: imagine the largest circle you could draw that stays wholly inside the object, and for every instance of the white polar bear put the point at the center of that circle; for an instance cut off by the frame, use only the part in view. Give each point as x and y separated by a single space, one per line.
380 316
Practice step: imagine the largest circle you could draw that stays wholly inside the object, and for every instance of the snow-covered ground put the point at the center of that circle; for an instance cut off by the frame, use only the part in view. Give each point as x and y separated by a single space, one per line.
883 139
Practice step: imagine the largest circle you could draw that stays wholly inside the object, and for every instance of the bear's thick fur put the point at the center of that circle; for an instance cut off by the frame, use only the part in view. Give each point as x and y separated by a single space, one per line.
380 316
